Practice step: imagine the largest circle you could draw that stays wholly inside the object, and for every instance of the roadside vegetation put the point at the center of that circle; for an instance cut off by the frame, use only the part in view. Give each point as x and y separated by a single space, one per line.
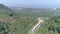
21 21
51 26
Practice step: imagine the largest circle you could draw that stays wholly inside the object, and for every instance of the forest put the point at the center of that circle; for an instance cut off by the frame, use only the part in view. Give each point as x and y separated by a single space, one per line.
14 21
51 26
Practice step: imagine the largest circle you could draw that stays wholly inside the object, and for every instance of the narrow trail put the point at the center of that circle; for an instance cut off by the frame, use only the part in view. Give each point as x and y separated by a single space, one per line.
36 27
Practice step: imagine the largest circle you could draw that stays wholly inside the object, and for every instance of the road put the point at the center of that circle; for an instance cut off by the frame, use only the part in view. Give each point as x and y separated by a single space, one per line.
37 26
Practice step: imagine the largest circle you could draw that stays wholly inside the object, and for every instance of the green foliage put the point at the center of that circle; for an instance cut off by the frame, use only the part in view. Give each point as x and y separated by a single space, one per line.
4 28
51 26
24 24
25 19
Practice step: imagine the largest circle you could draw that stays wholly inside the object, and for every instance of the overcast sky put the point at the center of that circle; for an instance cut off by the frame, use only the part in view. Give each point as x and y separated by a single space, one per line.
36 3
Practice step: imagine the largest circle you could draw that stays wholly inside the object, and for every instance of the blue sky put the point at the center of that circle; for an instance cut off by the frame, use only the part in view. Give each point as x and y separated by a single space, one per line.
36 3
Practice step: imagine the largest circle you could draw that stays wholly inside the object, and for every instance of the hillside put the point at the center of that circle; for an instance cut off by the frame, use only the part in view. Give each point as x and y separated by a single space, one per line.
13 23
51 26
35 13
6 19
22 20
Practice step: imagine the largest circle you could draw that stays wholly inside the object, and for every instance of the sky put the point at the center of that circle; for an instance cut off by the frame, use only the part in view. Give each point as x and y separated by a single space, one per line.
31 3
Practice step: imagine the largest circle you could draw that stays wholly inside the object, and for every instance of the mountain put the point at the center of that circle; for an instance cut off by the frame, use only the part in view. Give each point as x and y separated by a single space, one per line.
5 11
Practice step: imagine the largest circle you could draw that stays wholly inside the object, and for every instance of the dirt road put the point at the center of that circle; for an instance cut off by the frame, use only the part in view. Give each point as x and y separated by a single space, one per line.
36 27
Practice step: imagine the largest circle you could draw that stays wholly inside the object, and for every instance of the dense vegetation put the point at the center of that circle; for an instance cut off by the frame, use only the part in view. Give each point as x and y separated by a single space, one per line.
13 23
21 21
51 26
37 12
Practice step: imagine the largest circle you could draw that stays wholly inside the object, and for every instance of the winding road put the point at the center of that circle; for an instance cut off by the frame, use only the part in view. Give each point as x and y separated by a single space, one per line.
37 26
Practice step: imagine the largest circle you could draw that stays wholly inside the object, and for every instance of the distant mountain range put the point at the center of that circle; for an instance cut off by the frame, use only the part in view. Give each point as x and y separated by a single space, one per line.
38 5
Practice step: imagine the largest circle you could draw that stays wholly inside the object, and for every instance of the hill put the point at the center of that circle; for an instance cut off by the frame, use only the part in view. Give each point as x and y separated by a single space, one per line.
51 26
13 23
21 20
36 11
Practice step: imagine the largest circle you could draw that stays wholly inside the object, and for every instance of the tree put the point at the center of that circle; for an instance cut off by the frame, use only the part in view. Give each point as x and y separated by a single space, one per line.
58 29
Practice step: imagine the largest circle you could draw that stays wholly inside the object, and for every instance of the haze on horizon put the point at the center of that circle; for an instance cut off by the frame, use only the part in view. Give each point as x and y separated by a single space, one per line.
32 3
